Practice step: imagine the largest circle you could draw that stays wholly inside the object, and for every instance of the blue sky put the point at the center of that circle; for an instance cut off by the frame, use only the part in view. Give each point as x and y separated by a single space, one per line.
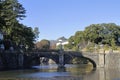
57 18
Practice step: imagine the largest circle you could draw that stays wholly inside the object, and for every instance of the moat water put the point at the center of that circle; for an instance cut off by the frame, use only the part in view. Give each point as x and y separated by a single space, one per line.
70 72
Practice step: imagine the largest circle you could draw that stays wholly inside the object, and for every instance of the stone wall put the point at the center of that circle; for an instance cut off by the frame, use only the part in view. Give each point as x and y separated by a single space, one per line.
1 64
109 60
10 60
112 60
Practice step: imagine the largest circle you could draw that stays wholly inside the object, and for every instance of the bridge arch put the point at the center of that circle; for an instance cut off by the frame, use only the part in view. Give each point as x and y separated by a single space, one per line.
50 55
92 61
73 54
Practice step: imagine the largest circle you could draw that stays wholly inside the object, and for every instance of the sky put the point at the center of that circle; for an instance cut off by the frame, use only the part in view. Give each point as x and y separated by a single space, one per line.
57 18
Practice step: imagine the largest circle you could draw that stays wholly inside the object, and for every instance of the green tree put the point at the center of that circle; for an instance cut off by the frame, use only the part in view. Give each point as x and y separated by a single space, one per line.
105 33
36 32
23 34
71 43
92 33
1 19
102 33
11 11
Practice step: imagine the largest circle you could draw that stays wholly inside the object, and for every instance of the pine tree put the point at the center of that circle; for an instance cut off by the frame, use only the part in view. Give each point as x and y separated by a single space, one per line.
11 10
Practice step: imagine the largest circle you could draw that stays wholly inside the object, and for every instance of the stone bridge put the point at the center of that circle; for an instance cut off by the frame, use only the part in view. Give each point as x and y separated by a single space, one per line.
95 59
26 59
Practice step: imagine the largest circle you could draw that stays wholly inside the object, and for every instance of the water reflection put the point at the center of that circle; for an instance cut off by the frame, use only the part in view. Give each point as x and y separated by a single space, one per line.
61 69
72 72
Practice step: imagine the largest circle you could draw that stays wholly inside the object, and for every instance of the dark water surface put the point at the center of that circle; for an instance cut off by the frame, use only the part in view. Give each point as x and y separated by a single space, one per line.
71 72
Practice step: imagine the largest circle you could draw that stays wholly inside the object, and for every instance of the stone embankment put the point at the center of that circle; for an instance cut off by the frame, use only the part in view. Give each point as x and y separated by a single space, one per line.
11 60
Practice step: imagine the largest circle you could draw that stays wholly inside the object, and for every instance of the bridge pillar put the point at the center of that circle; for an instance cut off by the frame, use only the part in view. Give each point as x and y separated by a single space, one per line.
61 59
101 60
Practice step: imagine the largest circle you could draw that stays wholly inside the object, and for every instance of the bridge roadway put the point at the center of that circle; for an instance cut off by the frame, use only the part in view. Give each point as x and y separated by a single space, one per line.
68 56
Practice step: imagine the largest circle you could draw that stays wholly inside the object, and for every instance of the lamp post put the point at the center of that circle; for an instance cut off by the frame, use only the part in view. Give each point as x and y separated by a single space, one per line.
60 41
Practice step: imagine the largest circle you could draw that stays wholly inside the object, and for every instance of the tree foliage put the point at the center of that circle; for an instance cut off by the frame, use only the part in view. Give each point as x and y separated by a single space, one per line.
105 33
36 32
11 11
